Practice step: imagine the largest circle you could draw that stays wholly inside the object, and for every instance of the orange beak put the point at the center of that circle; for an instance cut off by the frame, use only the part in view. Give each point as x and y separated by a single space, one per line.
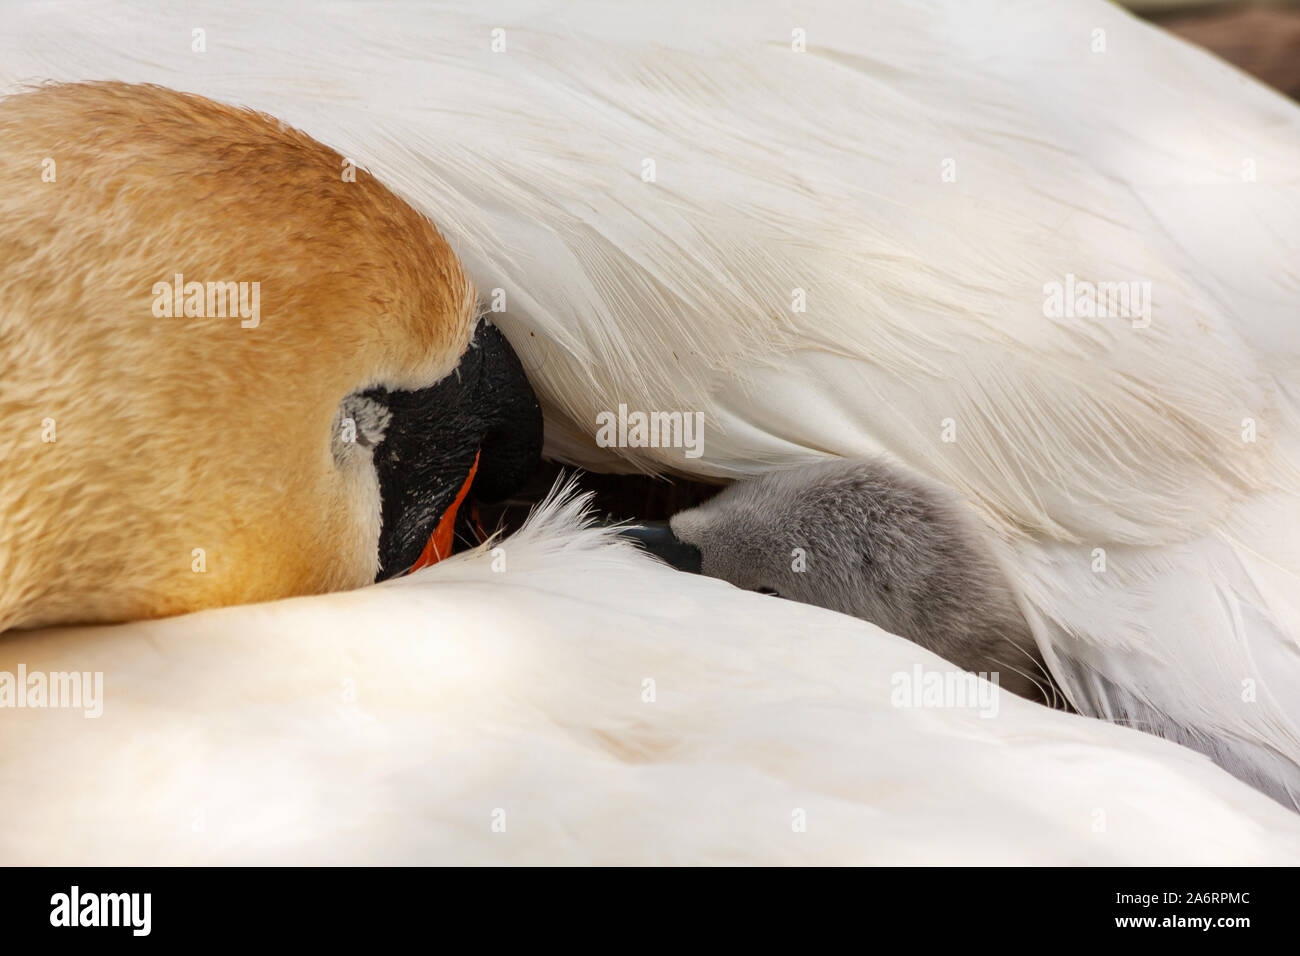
440 542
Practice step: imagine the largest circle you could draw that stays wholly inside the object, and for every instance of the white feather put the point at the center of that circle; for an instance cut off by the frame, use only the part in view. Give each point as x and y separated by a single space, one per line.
1083 143
397 724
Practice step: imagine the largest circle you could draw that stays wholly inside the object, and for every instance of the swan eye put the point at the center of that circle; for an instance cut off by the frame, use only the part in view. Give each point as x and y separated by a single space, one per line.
361 422
772 591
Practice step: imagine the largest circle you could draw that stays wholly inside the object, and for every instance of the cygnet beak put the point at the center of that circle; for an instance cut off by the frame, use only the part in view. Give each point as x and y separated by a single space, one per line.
657 538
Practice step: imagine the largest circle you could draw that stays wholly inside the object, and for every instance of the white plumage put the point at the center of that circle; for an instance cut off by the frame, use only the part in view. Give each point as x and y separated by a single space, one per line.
409 722
1082 143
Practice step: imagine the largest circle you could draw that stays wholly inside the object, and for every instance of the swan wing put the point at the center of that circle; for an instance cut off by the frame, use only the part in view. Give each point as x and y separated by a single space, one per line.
554 700
853 231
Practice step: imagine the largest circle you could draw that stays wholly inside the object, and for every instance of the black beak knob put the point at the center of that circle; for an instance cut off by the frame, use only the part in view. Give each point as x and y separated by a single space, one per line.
485 410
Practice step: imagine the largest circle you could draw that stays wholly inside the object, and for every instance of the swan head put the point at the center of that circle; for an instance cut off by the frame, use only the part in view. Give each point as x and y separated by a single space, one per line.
233 366
873 540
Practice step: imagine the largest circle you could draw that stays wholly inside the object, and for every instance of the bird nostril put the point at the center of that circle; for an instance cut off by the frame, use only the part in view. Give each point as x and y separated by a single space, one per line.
771 591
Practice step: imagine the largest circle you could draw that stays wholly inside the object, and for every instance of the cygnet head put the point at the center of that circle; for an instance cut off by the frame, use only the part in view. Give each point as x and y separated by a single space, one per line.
870 539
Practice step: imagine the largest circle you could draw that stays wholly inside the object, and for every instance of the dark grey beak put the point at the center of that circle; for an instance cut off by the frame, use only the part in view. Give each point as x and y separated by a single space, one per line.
658 538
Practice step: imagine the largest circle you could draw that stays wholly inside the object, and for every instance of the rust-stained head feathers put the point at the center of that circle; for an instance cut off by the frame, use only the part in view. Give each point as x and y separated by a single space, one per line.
154 460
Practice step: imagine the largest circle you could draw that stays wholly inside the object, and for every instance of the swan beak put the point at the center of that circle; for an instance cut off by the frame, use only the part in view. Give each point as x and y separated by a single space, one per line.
442 540
477 432
658 539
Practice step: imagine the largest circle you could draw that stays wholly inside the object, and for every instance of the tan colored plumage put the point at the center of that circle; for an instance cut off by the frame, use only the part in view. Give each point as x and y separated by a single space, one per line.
177 434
